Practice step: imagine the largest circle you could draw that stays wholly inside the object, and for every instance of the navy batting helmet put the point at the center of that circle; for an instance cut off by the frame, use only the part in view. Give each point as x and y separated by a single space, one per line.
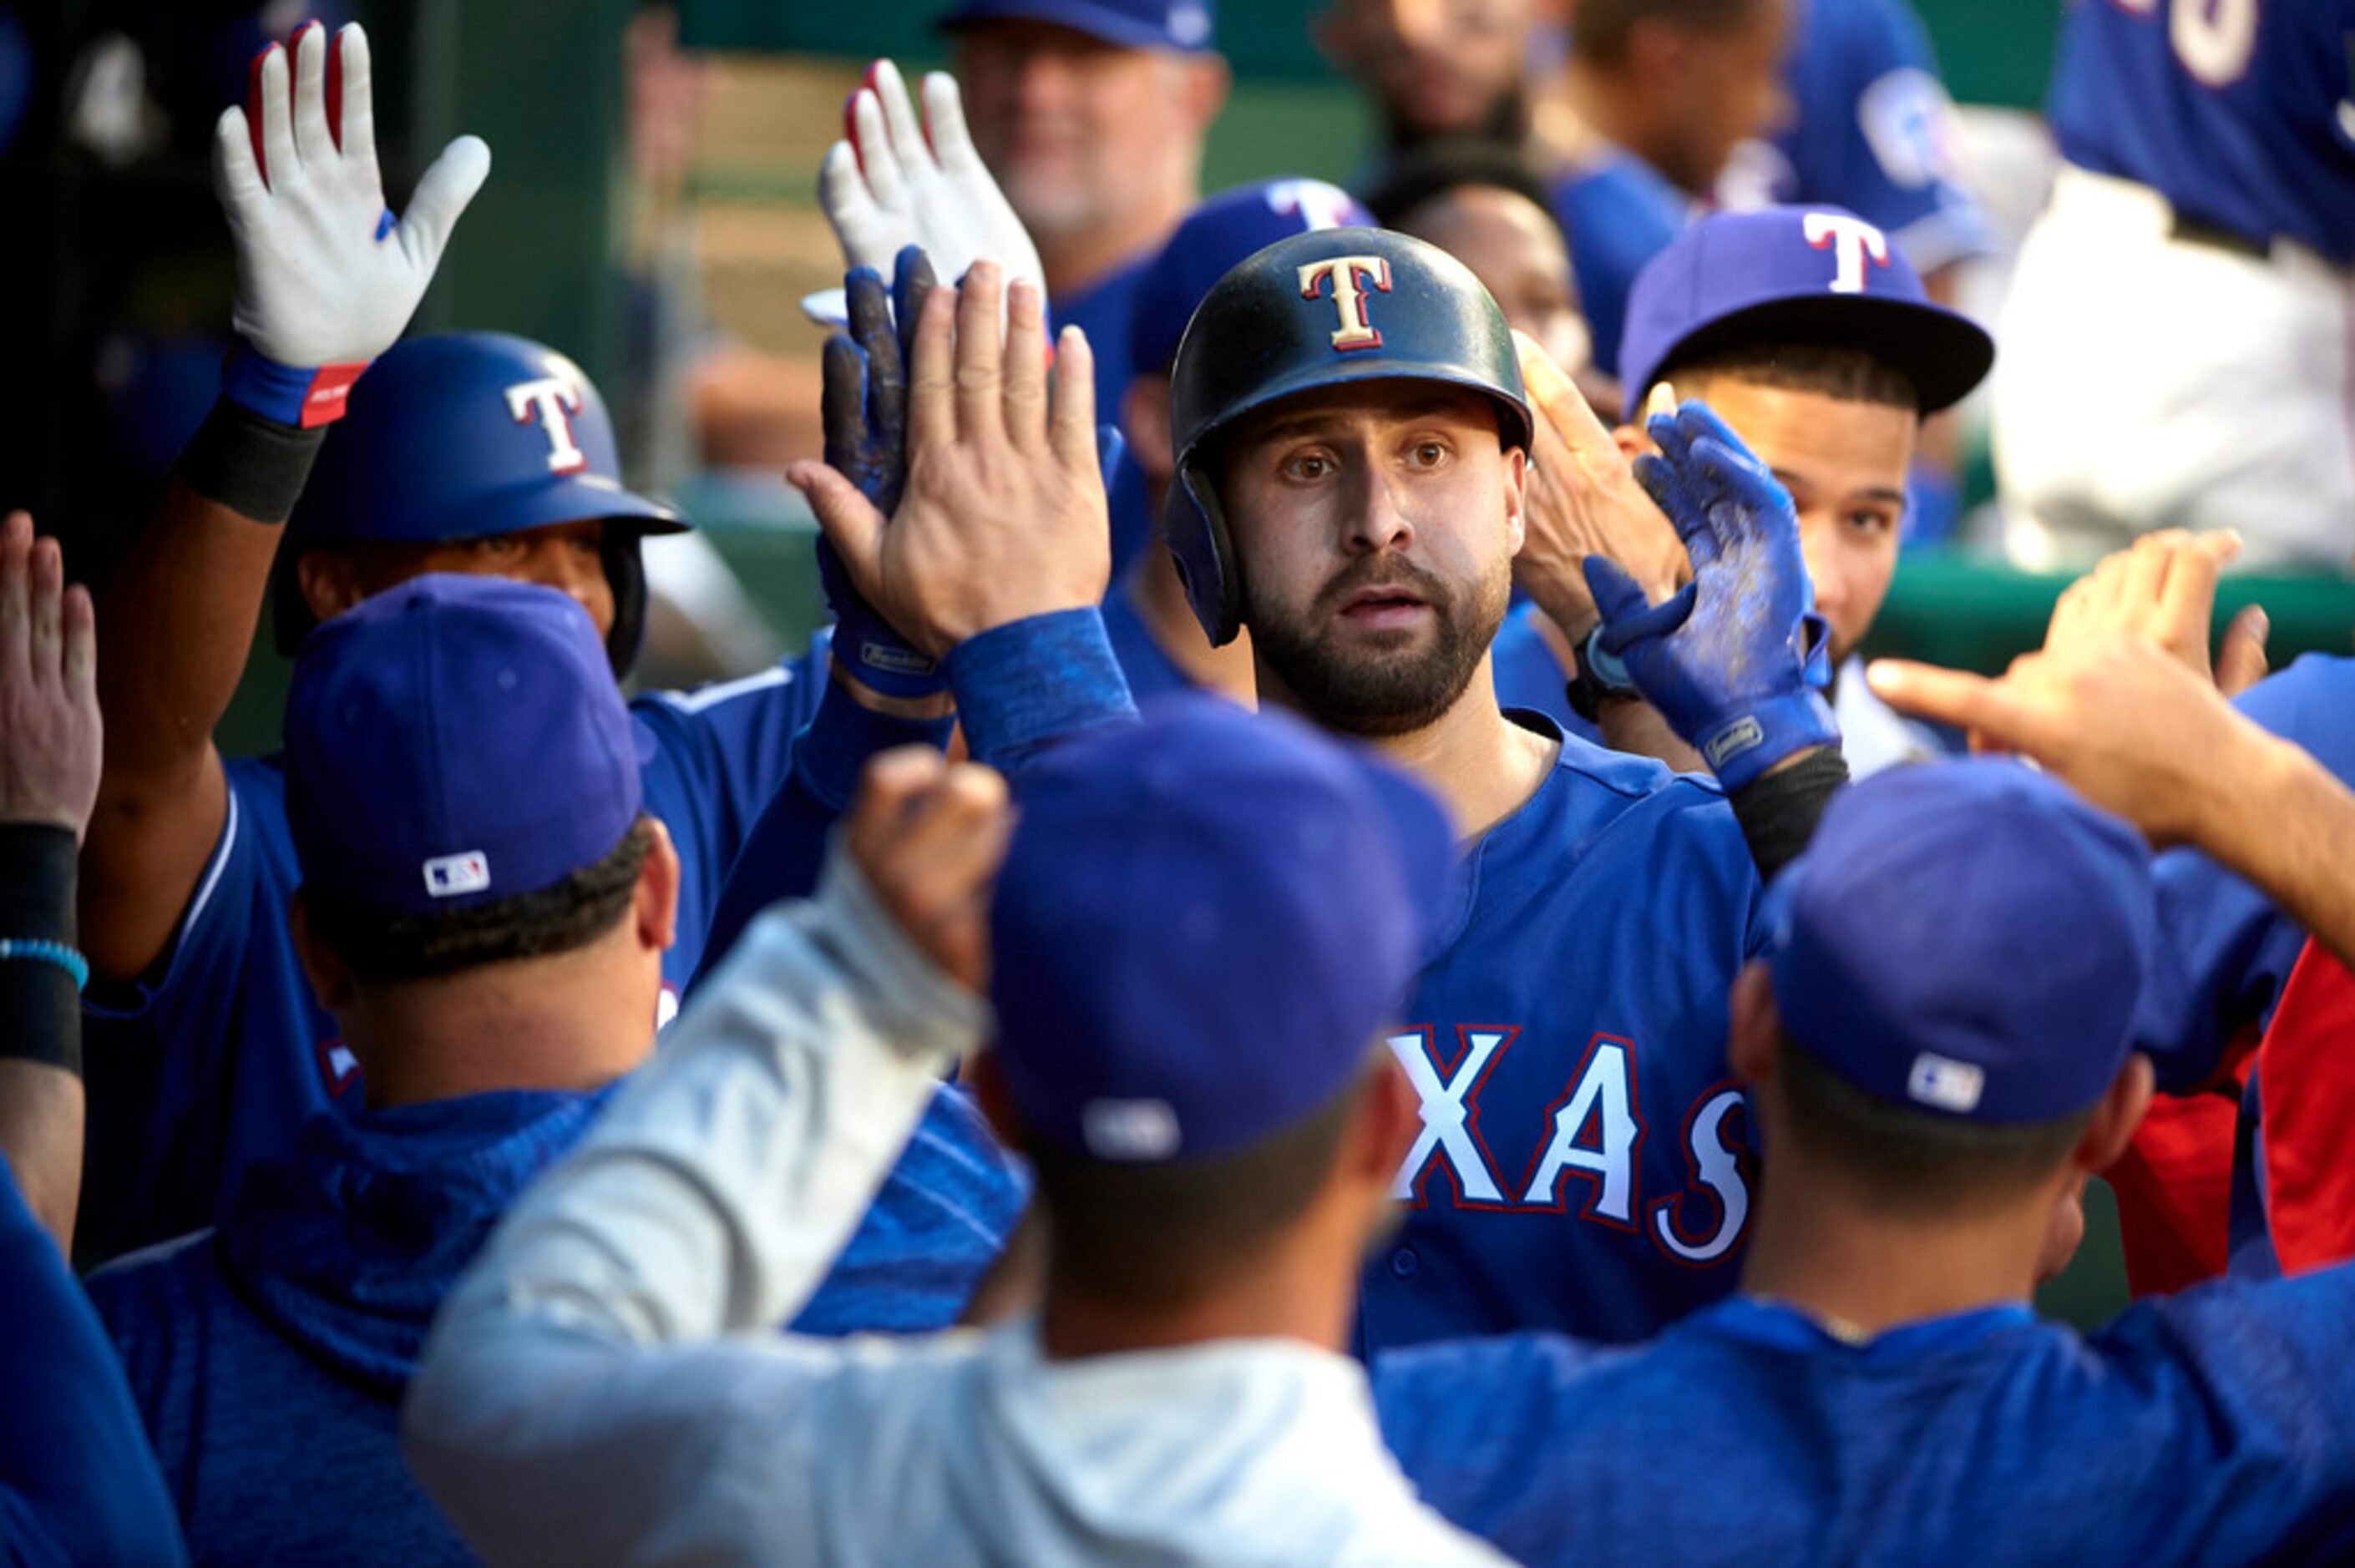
1323 308
467 436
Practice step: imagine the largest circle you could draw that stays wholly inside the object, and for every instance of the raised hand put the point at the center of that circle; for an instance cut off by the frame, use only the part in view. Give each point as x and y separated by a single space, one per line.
1584 500
2163 588
1003 516
929 835
49 730
325 278
1726 657
2118 718
893 184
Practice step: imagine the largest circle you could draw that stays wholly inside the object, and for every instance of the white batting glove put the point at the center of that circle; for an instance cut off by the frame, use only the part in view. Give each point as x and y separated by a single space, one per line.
325 278
905 185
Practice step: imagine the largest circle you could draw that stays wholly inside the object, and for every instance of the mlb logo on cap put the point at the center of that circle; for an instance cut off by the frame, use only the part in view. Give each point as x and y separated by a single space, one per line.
448 876
1946 1084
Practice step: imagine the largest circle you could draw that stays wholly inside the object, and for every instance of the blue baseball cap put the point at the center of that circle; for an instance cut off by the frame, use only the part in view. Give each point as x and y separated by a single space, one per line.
1966 938
1817 275
1221 231
1200 925
454 741
1186 25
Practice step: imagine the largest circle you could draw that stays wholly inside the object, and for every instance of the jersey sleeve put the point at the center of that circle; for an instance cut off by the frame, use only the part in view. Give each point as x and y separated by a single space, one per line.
1468 1420
2256 1385
2226 950
785 850
218 1055
76 1481
720 753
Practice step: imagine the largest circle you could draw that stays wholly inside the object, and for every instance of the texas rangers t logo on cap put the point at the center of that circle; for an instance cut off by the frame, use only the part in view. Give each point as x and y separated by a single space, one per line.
553 399
1851 240
1355 331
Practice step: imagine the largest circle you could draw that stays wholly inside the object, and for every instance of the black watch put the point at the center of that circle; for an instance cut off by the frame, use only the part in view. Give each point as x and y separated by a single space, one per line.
1601 678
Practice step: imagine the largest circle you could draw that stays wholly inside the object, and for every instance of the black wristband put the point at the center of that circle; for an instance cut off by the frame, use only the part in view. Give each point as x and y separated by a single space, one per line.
40 1006
1778 811
253 466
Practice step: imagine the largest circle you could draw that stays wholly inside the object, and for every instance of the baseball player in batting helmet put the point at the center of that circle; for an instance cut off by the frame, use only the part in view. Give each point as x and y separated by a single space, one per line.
1350 430
458 445
471 453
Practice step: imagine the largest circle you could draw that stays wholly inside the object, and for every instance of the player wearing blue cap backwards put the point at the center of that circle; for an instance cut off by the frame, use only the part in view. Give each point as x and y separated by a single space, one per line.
485 905
1093 115
475 454
1199 930
1937 1046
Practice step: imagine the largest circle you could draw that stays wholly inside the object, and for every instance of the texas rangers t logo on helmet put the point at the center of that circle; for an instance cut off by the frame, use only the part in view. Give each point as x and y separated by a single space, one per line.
1355 331
554 399
1851 240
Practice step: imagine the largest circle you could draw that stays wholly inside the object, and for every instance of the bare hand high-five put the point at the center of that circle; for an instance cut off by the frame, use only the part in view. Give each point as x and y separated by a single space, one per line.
1004 514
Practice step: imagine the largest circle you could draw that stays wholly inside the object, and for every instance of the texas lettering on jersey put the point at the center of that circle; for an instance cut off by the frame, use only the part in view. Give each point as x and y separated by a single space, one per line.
1594 1136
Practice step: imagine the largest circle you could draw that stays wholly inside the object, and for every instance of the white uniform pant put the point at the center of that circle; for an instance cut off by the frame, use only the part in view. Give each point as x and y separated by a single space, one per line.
2145 382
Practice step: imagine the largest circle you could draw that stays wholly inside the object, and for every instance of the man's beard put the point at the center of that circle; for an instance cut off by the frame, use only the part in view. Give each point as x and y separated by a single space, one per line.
1378 693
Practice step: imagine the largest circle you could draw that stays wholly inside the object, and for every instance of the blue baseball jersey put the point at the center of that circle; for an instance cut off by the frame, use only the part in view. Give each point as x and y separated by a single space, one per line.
1871 129
1619 212
2240 113
1585 1160
218 1056
2216 1426
1146 665
1529 677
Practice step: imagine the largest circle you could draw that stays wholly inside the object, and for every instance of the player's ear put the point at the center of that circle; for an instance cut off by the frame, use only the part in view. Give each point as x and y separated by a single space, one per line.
988 1081
1144 421
655 903
1207 82
2116 1116
330 581
1516 495
1389 1116
330 977
1754 1028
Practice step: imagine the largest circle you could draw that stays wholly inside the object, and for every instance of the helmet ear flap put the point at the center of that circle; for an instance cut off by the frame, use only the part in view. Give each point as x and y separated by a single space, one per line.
625 574
1194 526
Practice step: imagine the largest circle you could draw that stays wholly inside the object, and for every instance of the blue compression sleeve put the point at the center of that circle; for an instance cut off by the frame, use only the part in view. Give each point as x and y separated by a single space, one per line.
1024 686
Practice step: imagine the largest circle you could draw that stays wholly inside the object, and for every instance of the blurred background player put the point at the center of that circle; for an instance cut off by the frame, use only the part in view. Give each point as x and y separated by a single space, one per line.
1436 70
1937 1090
1654 98
2197 260
484 908
1092 115
1183 1390
1484 204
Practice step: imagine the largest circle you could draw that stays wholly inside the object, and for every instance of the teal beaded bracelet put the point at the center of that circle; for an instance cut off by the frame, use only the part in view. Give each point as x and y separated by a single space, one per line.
57 953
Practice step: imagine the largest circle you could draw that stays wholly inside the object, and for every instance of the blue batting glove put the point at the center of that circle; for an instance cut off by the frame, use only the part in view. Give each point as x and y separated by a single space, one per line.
863 409
1726 657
